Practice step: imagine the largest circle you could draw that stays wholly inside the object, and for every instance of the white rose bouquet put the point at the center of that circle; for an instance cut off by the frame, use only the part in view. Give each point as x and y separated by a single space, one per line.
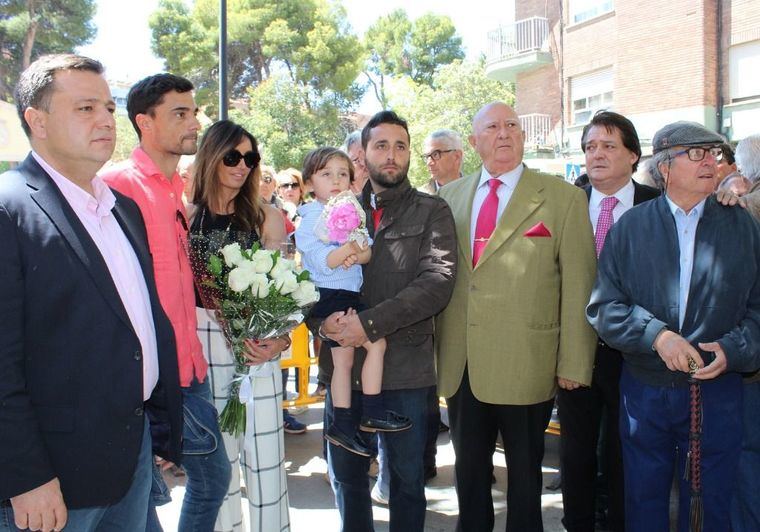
256 294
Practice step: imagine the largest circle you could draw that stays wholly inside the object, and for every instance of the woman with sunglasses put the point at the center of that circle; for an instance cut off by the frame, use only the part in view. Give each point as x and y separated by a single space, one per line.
226 198
291 190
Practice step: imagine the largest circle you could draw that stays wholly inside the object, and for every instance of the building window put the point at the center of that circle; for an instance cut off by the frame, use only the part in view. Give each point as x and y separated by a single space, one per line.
744 70
581 10
590 93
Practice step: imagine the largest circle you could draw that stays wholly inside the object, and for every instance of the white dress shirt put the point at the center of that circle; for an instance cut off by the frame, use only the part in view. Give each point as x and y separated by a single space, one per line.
509 180
686 225
625 202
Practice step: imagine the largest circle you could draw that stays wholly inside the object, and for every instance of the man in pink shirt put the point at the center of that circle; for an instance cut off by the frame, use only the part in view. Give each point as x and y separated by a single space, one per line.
163 112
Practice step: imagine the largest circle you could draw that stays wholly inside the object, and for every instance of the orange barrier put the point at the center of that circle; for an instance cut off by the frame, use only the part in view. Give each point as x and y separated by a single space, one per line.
300 360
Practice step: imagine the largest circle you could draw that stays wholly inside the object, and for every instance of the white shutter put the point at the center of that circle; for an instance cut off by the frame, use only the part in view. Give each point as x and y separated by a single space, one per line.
744 70
591 84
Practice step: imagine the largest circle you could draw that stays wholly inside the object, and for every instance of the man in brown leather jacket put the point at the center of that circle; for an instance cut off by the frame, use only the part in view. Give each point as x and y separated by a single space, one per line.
408 281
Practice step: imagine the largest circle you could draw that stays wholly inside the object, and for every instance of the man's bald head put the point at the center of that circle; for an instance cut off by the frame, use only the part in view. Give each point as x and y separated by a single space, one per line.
498 138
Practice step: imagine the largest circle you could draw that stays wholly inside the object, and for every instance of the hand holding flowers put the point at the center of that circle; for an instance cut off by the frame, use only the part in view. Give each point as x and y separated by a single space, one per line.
258 295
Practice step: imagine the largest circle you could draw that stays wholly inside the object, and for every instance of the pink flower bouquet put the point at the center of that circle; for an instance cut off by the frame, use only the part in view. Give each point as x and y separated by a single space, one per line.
343 220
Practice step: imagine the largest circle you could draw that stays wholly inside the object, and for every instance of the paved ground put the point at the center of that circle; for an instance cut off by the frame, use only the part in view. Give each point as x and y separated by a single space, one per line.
312 506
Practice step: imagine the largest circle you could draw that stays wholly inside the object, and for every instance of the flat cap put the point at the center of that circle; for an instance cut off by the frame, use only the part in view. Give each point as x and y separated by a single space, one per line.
684 134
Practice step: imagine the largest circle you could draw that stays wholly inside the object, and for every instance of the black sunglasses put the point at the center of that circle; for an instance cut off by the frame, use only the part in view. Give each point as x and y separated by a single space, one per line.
232 159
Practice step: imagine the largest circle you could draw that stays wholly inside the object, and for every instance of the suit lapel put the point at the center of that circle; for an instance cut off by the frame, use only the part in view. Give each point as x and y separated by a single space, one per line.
526 198
461 208
47 196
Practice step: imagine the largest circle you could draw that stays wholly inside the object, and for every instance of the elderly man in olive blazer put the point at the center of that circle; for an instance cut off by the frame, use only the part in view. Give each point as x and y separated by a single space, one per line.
514 329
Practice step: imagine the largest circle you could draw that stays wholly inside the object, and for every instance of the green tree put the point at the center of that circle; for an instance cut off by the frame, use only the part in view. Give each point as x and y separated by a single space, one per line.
307 40
126 139
458 91
286 128
31 28
397 46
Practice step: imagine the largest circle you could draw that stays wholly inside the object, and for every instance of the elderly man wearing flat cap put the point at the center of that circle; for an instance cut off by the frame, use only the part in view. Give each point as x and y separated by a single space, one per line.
678 293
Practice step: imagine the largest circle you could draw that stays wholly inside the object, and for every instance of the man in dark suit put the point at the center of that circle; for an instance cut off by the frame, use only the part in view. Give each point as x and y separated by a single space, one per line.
612 150
86 353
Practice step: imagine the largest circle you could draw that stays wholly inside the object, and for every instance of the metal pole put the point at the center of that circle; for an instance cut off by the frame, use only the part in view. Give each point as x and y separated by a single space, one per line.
222 59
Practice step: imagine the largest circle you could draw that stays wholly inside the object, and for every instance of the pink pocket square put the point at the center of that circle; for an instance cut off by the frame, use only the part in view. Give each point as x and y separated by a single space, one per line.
538 230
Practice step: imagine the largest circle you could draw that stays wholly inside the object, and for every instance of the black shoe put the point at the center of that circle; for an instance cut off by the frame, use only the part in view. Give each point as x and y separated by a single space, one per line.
393 422
442 427
350 443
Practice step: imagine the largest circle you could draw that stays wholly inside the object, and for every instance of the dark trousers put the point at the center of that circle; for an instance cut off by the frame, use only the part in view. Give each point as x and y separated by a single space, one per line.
654 431
474 427
580 415
349 472
433 422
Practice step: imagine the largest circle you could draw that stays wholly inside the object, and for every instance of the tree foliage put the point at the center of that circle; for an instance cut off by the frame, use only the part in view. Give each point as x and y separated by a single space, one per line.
31 28
286 128
306 40
457 92
399 47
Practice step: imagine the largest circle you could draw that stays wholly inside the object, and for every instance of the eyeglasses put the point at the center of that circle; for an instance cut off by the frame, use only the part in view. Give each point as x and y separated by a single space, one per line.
697 153
435 154
291 186
232 158
266 179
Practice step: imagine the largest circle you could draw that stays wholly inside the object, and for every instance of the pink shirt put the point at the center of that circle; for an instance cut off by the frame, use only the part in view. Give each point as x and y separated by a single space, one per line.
160 201
95 214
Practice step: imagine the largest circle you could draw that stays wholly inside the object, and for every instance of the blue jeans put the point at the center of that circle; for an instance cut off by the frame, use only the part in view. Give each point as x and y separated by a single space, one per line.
204 461
654 433
745 508
126 515
349 472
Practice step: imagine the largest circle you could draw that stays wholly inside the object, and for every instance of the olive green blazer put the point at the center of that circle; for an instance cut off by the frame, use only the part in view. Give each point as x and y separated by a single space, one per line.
517 320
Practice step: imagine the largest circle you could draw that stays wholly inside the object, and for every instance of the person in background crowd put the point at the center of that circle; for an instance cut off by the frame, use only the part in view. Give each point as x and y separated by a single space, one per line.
442 153
163 112
353 147
87 355
662 275
745 508
612 150
514 329
291 190
226 199
726 165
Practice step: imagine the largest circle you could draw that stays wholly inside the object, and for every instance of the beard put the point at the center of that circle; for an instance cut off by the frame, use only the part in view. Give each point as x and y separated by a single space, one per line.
385 179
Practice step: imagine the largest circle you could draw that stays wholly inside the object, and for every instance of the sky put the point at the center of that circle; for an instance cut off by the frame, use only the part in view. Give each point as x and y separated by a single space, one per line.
122 43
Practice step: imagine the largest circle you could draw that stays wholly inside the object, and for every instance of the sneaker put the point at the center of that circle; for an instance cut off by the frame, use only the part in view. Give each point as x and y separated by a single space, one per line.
350 443
393 422
297 410
378 497
292 426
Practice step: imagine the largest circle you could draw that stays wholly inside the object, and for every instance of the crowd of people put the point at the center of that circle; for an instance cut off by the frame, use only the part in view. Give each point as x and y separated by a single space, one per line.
634 308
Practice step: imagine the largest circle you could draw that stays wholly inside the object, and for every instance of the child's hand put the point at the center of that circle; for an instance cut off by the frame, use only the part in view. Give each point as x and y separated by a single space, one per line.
350 261
356 247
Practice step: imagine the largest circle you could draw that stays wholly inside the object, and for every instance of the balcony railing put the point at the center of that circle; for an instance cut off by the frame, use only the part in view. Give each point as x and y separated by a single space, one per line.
523 36
537 128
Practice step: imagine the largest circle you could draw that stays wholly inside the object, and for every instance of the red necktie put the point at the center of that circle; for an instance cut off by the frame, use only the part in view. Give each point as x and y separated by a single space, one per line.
486 221
377 215
604 222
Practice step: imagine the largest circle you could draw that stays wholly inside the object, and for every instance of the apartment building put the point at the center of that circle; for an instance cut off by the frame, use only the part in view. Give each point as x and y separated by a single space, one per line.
653 61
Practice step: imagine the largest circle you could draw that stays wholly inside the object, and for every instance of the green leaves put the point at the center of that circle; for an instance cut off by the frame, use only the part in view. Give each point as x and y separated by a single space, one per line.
31 28
215 265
